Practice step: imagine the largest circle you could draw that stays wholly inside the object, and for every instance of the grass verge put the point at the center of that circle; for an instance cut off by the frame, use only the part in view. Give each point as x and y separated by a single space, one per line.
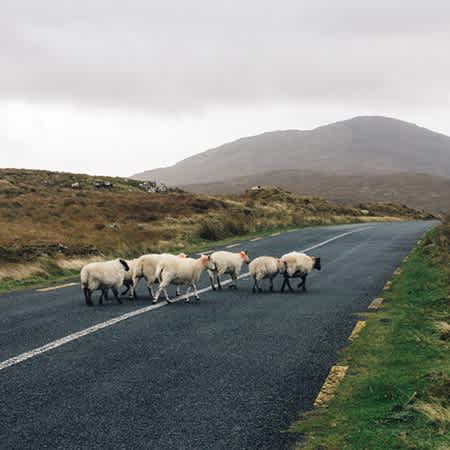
396 394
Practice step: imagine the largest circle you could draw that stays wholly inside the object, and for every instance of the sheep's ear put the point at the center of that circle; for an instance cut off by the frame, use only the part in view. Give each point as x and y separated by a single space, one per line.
243 253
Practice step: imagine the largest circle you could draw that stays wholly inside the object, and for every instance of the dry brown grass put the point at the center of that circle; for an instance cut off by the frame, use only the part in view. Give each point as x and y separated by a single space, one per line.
435 411
21 271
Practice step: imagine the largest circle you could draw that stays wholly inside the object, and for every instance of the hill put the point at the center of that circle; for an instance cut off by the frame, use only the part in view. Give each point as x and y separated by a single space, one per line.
362 145
428 192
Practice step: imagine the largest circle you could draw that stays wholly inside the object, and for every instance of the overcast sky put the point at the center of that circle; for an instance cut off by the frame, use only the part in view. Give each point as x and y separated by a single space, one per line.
117 87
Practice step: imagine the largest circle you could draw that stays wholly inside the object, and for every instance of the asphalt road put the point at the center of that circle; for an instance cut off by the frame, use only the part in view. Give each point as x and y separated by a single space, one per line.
231 372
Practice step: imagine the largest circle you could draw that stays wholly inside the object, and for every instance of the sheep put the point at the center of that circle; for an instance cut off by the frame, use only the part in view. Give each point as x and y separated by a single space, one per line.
103 276
265 267
298 265
226 263
179 271
146 267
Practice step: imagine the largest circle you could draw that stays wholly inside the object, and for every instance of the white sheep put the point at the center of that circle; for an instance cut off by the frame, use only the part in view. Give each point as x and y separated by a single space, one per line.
298 265
180 271
103 276
226 263
265 267
146 267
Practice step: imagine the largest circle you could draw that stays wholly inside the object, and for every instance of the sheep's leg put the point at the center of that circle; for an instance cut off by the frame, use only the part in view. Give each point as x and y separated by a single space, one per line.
211 276
219 285
133 292
233 284
100 299
162 288
178 291
87 296
287 283
303 283
125 292
150 290
188 295
271 284
194 286
116 294
255 285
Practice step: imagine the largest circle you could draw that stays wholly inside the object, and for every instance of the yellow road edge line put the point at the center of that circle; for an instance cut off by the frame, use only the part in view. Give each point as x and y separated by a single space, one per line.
357 329
232 245
330 385
376 303
53 288
275 234
255 239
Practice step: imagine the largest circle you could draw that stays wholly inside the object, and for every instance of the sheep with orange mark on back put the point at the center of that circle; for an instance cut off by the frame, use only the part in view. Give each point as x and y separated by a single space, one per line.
226 263
298 265
181 271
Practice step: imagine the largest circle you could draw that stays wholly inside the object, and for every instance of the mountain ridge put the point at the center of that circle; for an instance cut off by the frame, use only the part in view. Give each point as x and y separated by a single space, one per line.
362 144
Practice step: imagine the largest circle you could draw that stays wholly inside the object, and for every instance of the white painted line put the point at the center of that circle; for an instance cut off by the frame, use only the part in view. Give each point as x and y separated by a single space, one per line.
275 234
100 326
206 252
339 236
233 245
53 288
74 336
255 239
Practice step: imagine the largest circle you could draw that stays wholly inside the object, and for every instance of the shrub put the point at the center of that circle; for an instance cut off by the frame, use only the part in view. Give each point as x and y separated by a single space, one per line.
211 230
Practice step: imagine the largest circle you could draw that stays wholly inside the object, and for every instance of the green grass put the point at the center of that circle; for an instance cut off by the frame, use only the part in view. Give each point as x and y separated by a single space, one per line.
396 394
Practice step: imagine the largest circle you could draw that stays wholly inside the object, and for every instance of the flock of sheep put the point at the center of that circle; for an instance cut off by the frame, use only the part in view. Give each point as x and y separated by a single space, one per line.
180 270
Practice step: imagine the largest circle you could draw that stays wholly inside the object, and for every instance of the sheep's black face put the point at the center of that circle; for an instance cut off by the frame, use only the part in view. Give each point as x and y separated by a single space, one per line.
125 265
317 264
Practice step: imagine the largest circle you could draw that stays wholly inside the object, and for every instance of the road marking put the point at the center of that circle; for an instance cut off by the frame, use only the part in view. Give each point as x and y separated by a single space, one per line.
100 326
207 252
360 324
329 387
233 245
255 239
53 288
339 236
275 234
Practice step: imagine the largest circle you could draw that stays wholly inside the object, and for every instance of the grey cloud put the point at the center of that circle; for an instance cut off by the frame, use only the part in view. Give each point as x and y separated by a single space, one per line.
172 56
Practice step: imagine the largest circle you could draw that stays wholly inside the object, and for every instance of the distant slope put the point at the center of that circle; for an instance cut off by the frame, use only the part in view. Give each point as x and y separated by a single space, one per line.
416 190
363 145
